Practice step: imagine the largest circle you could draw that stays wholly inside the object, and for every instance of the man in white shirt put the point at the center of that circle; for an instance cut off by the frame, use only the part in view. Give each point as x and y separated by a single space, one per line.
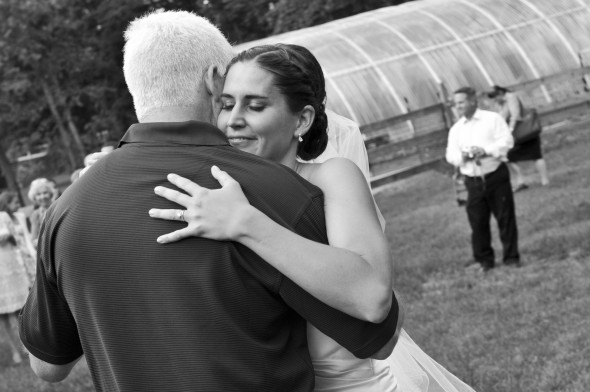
477 145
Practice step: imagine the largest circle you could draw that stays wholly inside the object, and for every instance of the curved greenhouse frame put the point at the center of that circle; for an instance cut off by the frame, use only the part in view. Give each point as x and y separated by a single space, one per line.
393 60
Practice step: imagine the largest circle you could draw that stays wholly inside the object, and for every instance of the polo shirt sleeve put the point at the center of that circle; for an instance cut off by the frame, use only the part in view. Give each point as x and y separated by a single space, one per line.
361 338
46 325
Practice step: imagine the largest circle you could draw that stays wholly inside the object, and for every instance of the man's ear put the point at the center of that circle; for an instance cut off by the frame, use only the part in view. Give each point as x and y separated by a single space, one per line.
213 81
305 121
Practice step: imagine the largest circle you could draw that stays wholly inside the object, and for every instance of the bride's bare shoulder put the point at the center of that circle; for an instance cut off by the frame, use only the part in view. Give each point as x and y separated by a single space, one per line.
334 169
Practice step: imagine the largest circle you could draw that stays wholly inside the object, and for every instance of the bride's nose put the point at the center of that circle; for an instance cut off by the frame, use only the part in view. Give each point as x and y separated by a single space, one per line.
236 119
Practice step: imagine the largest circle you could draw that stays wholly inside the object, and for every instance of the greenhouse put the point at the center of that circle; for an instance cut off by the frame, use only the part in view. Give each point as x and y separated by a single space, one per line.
399 59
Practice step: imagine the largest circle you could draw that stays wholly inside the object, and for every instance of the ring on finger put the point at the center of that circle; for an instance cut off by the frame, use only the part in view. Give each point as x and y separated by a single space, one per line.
180 215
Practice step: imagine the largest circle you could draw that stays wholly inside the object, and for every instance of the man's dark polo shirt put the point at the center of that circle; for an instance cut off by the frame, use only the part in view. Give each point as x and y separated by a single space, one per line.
196 315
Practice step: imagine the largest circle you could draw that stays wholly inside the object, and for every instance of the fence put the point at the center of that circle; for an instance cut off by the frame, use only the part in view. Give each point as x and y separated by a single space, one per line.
414 142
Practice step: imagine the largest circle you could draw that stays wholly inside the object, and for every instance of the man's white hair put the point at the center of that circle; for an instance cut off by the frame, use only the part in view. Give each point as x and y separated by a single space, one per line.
166 55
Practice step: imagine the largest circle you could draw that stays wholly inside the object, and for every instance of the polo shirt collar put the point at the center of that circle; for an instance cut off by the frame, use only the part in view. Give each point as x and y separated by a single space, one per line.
188 133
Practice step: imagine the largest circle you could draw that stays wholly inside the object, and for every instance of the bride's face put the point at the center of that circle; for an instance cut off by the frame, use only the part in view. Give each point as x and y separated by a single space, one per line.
255 115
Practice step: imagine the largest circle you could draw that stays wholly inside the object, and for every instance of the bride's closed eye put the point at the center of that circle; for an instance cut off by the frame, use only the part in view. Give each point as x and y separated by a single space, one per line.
257 108
227 105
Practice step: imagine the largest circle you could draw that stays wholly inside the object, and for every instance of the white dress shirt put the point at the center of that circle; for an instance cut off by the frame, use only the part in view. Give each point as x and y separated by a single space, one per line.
484 129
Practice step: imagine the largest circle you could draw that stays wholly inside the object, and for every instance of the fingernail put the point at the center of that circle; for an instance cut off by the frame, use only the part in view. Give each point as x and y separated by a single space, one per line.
160 240
157 189
214 168
151 212
172 176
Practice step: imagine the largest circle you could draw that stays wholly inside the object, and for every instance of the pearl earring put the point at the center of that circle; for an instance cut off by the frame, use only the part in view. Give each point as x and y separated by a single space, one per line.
300 139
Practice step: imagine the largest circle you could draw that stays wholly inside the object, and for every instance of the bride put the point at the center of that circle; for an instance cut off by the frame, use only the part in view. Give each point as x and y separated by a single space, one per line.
273 106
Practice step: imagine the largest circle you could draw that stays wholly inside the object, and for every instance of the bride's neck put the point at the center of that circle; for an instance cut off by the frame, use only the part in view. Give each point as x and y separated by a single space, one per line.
290 159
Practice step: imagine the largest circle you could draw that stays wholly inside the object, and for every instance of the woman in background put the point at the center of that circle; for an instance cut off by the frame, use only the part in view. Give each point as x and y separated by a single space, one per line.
512 110
42 192
14 277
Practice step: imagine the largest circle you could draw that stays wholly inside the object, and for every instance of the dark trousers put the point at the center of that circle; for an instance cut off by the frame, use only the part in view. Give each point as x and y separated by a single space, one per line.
492 195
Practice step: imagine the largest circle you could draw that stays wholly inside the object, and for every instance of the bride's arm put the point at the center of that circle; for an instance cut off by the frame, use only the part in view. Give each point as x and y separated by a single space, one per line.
352 219
353 274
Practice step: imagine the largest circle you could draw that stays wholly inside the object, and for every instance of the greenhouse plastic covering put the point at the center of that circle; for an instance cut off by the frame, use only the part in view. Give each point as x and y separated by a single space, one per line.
393 60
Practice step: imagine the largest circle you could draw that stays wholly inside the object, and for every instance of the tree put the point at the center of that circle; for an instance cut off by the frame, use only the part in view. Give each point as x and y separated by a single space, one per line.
239 20
288 15
30 68
61 66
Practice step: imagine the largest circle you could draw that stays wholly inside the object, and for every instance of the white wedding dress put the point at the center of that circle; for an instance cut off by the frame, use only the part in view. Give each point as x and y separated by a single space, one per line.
408 369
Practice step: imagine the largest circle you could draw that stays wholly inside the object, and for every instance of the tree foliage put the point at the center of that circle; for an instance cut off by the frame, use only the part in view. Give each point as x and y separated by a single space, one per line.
288 15
62 88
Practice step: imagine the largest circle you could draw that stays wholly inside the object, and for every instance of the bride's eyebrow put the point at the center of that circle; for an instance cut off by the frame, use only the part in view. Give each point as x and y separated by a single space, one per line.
248 97
254 96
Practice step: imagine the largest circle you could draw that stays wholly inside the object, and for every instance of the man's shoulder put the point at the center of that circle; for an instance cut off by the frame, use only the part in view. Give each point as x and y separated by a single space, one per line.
259 170
487 114
280 181
273 185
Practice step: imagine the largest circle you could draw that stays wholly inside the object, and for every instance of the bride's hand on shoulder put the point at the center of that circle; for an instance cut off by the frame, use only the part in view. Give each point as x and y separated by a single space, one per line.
218 214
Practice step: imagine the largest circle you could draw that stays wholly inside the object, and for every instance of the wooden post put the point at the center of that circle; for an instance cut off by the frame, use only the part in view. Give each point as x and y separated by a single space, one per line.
443 97
585 77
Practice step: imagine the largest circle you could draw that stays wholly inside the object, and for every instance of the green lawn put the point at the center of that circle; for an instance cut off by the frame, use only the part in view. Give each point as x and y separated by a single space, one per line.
523 329
516 330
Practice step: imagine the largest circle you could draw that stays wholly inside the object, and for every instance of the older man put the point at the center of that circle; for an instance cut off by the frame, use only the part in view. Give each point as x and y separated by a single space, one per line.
196 315
477 145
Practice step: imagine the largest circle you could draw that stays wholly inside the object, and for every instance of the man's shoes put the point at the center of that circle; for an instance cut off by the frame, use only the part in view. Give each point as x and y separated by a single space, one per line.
513 263
475 265
520 187
470 263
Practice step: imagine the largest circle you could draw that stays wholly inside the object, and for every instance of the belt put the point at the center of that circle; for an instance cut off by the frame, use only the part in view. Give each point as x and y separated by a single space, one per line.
483 176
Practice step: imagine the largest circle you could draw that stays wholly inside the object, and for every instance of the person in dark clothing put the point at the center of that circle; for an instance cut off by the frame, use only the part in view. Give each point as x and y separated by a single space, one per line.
512 110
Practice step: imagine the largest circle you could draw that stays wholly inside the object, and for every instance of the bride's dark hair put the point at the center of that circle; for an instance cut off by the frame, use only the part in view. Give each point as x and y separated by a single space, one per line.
299 77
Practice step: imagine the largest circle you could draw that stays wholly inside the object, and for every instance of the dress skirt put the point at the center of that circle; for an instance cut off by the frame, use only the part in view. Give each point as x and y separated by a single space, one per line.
527 151
14 280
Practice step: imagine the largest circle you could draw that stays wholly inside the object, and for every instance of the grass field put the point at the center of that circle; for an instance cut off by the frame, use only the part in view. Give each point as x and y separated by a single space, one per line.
524 329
